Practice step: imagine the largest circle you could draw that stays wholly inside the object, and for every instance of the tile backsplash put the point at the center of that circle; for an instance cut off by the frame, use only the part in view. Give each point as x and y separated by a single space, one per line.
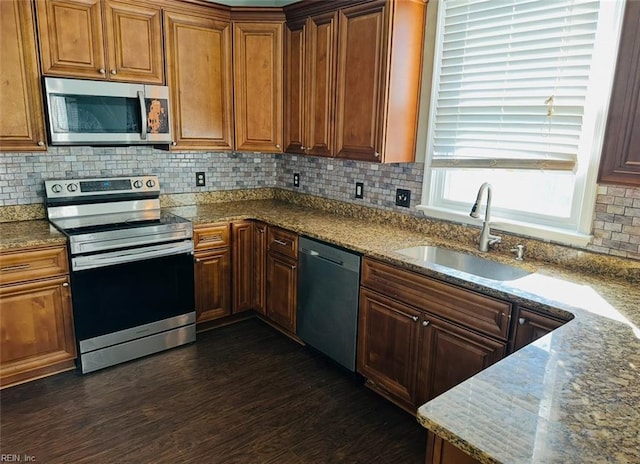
616 226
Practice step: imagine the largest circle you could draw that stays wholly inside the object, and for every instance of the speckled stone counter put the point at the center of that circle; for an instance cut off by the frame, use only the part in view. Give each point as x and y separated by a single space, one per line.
572 396
29 234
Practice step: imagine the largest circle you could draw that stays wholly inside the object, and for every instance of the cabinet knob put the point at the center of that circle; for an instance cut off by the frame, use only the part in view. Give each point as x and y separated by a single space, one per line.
114 72
522 321
303 148
277 145
425 323
197 260
40 143
377 154
66 284
415 318
173 144
102 71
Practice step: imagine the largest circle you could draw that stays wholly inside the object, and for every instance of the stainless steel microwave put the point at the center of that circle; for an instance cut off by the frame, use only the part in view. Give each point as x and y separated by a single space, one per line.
106 113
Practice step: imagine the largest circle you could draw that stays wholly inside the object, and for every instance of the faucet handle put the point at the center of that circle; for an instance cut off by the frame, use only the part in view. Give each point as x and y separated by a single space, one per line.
519 251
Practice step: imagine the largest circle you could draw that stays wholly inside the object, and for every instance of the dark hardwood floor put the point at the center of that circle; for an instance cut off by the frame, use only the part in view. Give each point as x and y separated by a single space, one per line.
241 394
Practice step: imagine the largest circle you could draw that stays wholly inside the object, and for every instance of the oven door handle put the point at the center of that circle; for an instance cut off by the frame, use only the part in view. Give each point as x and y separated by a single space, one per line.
80 263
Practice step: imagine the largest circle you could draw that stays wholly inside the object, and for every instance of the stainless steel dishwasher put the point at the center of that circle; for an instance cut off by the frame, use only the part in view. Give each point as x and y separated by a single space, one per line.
328 283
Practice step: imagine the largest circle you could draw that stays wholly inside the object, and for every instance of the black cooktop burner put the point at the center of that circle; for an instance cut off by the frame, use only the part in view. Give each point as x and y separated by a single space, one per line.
165 218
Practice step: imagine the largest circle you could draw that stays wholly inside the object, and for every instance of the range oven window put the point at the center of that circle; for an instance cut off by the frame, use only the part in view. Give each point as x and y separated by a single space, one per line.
113 298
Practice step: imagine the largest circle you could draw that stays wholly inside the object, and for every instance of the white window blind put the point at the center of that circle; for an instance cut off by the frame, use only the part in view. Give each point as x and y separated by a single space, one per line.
511 83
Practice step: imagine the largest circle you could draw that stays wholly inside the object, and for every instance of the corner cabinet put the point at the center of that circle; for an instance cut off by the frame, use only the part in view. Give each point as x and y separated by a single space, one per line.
199 75
22 127
353 79
101 39
36 321
418 337
530 326
257 61
212 271
620 162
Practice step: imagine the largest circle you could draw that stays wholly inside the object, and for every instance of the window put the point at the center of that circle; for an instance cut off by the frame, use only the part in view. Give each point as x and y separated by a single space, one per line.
519 98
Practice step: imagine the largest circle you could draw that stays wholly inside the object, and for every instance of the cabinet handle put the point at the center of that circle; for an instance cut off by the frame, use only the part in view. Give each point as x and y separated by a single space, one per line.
40 143
261 231
425 323
102 71
66 284
414 318
16 267
522 321
114 72
281 242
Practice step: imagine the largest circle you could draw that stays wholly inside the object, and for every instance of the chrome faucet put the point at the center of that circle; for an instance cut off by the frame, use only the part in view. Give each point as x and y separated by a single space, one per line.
486 239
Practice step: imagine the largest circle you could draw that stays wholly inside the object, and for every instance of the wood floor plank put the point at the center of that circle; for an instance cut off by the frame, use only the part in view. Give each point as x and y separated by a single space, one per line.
242 393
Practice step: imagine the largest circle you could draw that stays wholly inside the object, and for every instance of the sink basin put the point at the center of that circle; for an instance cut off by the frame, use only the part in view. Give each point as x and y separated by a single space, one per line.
464 262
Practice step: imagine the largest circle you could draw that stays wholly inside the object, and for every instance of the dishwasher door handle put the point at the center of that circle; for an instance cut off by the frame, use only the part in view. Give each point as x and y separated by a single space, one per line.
315 254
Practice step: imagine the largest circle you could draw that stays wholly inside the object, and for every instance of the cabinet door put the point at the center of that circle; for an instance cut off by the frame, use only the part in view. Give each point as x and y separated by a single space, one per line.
294 88
242 264
282 283
361 67
134 42
440 451
388 340
21 127
451 354
620 163
71 38
321 46
212 280
260 267
530 326
198 52
257 60
36 329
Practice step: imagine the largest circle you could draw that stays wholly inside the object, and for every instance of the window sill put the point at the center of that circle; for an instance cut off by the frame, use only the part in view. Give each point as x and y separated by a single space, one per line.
547 234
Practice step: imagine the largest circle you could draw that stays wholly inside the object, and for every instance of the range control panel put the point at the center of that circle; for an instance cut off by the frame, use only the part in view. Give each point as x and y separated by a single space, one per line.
66 188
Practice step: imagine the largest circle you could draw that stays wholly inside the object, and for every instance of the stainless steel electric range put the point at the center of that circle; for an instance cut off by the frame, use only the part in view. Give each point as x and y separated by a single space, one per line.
132 280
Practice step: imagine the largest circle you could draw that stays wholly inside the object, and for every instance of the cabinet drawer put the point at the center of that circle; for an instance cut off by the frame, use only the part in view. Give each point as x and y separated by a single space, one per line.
283 242
213 236
479 312
31 264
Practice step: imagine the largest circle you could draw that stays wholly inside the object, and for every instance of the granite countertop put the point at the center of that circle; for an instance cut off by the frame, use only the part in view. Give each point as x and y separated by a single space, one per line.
571 396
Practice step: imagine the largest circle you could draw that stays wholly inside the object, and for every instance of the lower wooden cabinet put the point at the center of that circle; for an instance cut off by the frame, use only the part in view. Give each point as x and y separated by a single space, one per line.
440 451
260 231
388 340
36 320
282 277
242 280
212 271
530 326
411 352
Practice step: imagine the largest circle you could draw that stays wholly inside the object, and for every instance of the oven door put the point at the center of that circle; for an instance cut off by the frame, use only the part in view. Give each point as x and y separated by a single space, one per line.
118 302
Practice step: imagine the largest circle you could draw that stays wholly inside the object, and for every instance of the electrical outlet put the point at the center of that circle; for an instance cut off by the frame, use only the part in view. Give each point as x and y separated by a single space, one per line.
359 189
200 179
403 197
296 180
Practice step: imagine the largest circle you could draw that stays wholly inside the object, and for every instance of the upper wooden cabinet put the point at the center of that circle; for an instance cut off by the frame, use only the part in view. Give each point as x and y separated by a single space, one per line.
94 39
257 61
199 75
620 162
310 72
21 127
354 73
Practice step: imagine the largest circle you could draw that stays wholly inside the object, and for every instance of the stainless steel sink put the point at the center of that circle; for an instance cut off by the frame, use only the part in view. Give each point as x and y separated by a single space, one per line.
464 262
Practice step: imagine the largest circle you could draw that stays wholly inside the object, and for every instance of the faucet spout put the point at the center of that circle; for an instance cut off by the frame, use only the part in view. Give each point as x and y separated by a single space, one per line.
486 238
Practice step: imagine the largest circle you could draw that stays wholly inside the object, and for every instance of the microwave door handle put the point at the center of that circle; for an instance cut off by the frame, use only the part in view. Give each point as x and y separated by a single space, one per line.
143 112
